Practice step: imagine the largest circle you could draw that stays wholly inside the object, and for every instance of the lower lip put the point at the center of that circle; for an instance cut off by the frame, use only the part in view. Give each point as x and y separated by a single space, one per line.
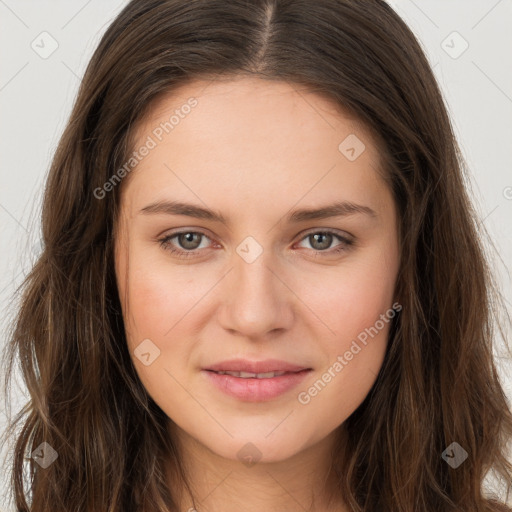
256 390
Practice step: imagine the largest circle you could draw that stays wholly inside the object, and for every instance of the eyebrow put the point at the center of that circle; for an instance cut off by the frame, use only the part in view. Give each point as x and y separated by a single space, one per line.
338 209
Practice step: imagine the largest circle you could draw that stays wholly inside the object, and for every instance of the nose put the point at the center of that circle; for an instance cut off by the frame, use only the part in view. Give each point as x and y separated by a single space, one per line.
256 298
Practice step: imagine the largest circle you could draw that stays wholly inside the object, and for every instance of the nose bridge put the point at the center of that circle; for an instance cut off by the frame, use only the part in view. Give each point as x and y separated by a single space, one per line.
254 277
257 301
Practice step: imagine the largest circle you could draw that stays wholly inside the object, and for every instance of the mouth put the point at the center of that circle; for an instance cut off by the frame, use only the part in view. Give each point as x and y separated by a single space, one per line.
249 375
243 367
255 381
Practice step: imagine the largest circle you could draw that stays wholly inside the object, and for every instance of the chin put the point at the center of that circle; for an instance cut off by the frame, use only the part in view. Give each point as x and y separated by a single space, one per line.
253 447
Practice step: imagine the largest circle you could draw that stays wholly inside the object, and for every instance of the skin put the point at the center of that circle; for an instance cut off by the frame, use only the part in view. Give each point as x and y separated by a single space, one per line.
255 150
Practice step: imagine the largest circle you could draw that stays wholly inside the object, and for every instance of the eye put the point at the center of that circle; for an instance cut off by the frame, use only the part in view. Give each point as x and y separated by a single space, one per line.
322 240
189 241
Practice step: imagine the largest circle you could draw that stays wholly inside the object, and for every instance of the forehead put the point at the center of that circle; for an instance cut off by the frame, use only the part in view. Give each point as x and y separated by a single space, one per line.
260 107
248 135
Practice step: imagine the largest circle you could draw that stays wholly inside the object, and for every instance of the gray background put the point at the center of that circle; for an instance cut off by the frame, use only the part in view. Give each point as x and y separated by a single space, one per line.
36 95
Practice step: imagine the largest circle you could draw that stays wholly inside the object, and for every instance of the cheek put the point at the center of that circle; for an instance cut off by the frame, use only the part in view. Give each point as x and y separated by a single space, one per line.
157 299
352 303
163 304
351 299
155 309
355 353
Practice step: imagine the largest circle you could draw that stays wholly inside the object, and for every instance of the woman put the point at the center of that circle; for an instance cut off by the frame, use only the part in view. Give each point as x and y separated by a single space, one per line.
262 283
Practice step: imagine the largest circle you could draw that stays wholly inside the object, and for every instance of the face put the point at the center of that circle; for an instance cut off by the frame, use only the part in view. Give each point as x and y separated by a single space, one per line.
229 257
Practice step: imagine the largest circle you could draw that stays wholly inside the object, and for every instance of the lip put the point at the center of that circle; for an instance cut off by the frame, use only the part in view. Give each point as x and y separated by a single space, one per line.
254 389
245 365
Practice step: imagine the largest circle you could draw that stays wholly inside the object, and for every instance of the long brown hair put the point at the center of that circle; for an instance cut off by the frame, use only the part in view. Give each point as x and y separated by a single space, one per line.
438 383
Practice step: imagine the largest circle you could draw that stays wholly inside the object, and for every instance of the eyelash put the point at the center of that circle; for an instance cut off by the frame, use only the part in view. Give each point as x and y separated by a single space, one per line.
343 246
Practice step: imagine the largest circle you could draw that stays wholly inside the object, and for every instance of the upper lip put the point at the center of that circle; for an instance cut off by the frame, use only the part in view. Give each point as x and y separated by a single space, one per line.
245 365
